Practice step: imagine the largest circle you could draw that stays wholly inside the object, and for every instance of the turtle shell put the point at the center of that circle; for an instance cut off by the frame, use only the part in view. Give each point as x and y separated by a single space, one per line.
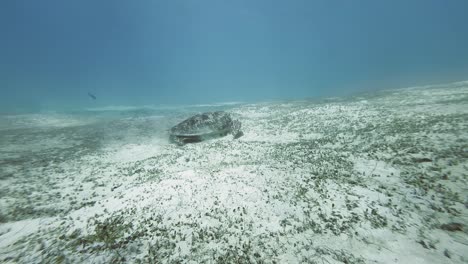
202 126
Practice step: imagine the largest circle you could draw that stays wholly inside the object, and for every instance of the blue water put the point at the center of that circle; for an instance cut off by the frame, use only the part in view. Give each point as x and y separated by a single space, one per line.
146 52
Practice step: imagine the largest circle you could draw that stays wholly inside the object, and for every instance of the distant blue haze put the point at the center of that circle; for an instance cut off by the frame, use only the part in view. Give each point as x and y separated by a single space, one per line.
53 52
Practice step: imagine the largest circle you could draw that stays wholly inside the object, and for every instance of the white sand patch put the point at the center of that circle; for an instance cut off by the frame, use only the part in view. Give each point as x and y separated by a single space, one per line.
134 152
42 121
275 137
377 170
12 232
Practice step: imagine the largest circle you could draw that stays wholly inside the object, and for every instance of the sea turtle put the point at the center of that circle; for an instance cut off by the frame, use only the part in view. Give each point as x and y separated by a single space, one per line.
205 126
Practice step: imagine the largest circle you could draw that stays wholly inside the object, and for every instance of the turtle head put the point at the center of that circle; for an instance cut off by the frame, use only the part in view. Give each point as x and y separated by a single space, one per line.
236 129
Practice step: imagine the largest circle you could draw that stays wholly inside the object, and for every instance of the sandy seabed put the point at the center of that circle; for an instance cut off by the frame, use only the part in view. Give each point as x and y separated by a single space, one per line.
374 178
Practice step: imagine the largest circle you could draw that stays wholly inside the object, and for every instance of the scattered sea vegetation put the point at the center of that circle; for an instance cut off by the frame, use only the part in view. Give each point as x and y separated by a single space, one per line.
314 182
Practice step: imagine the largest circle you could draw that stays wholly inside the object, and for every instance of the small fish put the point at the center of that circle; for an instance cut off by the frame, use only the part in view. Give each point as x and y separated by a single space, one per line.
92 95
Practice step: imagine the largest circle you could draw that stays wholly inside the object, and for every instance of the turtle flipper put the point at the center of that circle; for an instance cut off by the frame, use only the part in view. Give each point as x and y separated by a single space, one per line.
236 129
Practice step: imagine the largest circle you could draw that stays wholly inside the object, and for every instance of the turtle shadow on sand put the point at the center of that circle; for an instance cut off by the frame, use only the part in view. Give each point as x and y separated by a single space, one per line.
205 126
